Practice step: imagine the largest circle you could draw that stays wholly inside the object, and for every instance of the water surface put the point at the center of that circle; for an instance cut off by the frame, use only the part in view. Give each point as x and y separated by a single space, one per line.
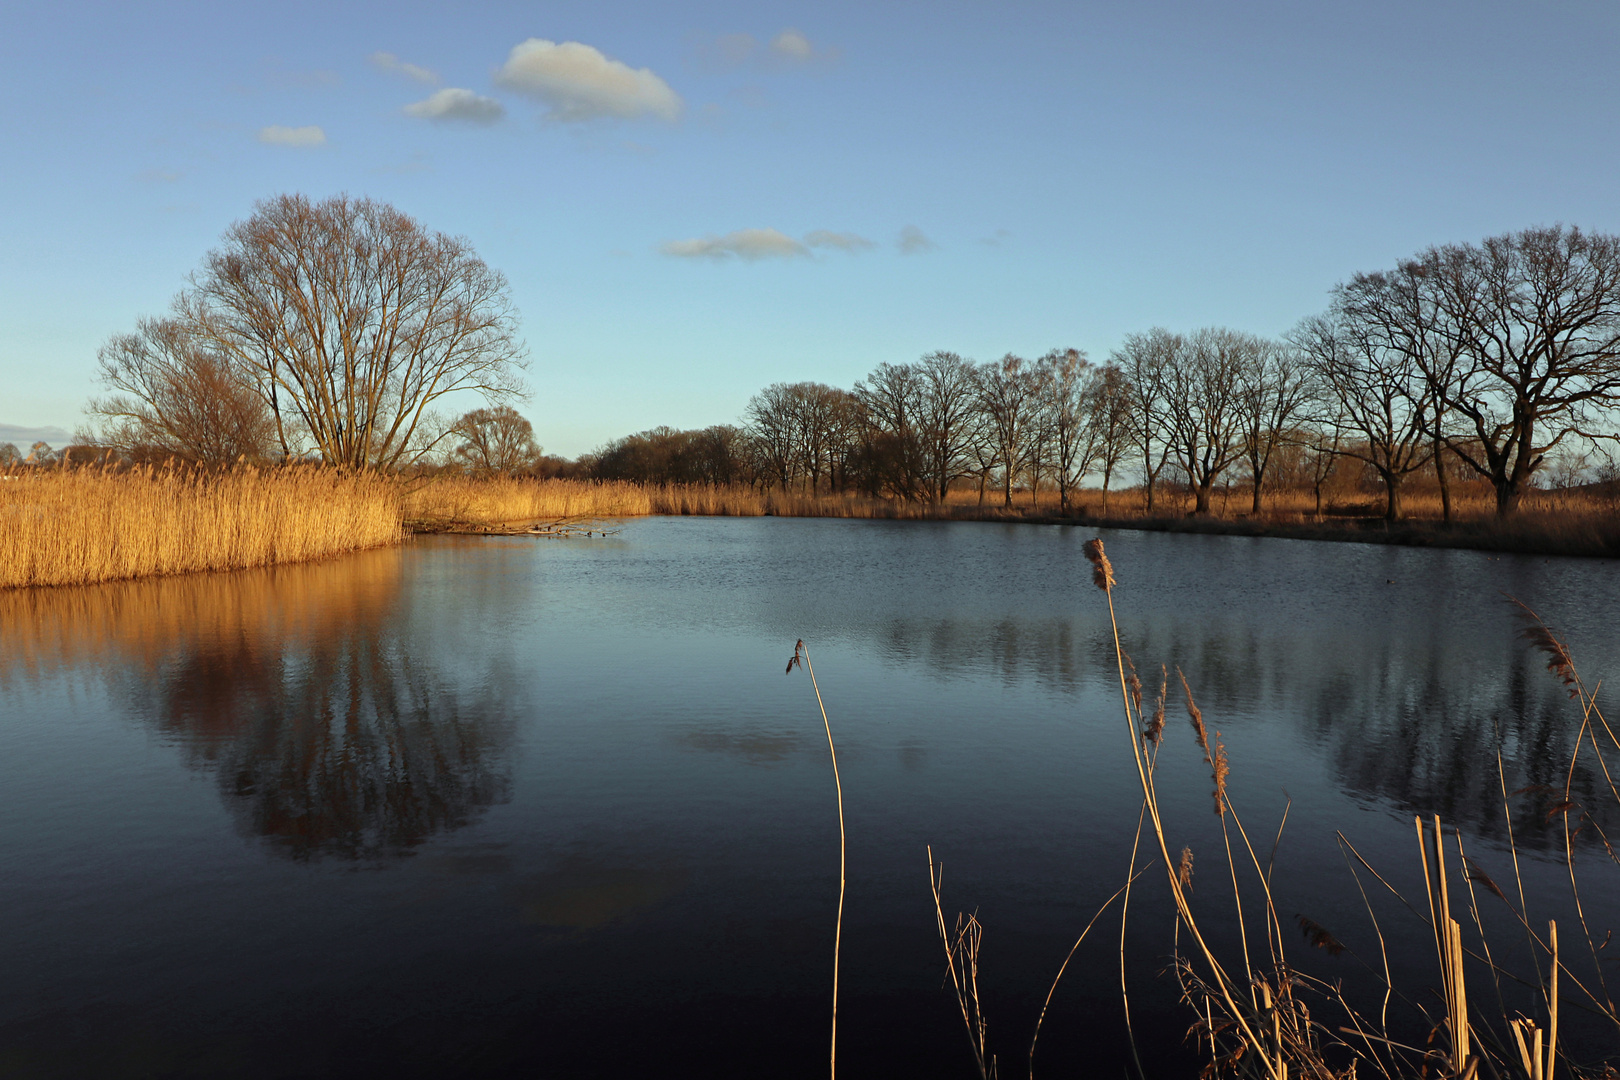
499 806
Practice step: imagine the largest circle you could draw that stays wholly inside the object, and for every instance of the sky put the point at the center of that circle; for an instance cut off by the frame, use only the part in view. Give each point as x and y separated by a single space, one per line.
691 201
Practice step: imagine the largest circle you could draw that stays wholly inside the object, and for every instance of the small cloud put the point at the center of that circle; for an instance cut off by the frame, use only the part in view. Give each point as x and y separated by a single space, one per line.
996 240
576 82
913 242
278 135
843 241
792 45
387 61
159 176
455 105
750 245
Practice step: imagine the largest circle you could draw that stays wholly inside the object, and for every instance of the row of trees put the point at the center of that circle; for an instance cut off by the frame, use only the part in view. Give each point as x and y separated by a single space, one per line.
1486 360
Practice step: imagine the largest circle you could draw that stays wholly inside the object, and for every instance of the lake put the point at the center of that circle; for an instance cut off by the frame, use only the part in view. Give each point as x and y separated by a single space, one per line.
489 807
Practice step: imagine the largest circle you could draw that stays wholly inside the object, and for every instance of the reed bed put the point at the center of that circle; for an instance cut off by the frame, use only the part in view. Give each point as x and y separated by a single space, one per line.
85 526
447 501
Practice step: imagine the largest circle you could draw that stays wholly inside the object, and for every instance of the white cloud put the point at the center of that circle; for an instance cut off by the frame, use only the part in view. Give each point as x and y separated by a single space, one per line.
455 104
792 45
748 244
843 241
578 83
278 135
913 242
387 61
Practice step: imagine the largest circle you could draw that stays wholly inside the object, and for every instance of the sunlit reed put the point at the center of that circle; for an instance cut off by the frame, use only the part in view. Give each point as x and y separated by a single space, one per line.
83 526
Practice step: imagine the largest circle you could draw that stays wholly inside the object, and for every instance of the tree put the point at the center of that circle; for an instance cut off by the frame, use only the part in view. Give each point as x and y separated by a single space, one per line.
40 454
495 441
1145 360
1534 320
1009 395
1203 395
773 423
1108 411
175 396
9 455
1067 379
890 400
947 417
1273 390
351 321
1371 388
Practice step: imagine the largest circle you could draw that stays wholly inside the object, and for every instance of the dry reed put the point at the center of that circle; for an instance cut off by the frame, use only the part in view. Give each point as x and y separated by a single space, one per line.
801 656
83 526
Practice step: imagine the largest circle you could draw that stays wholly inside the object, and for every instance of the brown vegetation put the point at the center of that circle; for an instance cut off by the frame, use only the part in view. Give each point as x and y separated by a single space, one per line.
82 526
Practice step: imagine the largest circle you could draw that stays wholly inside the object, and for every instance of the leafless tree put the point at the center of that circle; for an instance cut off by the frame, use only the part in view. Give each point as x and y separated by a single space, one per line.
1066 377
773 423
495 441
1273 391
1145 359
9 455
1009 395
1204 399
175 395
1373 389
947 417
890 403
1533 318
354 321
1108 411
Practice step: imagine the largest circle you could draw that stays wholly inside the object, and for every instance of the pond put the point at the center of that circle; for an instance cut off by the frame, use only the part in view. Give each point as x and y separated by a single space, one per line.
482 807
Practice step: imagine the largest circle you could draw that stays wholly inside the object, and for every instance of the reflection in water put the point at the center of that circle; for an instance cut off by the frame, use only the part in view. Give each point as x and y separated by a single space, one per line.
295 686
1404 718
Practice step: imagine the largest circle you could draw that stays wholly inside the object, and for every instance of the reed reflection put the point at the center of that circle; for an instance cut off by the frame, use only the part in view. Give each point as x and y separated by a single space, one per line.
298 687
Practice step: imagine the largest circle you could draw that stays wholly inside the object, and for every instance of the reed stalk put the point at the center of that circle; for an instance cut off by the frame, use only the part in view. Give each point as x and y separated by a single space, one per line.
801 655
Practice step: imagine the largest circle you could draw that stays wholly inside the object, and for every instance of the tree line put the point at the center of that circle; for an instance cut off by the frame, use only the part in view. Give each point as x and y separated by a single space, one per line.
1481 361
335 330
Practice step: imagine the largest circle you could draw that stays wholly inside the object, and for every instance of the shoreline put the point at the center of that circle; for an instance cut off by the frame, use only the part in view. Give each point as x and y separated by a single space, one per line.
1521 536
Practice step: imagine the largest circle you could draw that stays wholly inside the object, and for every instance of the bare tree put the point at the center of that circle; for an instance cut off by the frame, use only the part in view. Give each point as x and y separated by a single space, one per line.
1534 319
495 441
1204 398
947 417
355 321
1108 411
890 401
774 424
1067 378
1372 388
9 455
174 395
1009 395
1145 360
1273 390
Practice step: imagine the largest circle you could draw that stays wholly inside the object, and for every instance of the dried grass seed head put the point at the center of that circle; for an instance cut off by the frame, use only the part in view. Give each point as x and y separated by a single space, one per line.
1102 571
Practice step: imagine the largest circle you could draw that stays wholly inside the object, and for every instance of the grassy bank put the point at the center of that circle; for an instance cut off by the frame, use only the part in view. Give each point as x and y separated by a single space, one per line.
84 526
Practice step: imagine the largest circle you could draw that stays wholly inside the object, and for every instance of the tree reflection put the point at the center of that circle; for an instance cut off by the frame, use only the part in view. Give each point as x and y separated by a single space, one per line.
1410 715
300 688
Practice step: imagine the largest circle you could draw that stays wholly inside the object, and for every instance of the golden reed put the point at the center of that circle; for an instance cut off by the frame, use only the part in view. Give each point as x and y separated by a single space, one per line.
83 526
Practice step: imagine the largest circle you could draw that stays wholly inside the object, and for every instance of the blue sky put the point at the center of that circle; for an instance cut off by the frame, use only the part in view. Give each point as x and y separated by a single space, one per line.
1066 173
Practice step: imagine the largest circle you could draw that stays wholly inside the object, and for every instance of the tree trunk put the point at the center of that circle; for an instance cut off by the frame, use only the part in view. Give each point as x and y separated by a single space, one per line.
1254 510
1392 487
1445 484
1201 498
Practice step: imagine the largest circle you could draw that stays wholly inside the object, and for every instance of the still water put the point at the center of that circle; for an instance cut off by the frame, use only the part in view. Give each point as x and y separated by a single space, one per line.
551 808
